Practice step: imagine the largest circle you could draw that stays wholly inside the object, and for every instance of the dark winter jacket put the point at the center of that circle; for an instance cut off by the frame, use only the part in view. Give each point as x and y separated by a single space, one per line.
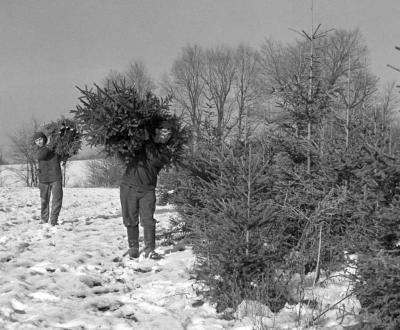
141 174
49 165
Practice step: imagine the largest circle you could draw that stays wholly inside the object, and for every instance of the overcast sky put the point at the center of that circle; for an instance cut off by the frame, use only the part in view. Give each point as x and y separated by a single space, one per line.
50 46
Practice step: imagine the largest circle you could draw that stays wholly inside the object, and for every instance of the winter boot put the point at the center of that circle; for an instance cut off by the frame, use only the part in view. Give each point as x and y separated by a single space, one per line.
133 241
54 222
153 255
150 242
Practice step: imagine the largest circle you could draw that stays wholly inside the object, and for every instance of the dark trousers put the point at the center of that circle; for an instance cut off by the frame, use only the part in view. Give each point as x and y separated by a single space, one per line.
138 207
55 191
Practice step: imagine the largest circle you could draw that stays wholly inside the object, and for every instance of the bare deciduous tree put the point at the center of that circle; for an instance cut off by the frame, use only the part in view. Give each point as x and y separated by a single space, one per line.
343 58
247 88
114 77
105 172
279 63
219 75
24 151
341 73
186 86
139 75
136 75
381 114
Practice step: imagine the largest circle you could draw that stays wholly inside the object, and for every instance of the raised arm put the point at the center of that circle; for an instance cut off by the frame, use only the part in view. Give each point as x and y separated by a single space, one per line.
156 158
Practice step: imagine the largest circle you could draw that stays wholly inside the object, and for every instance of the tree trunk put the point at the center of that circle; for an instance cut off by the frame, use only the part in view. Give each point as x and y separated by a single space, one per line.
64 173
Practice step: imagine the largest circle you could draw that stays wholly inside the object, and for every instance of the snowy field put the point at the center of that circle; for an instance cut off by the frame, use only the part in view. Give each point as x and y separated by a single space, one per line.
75 276
76 173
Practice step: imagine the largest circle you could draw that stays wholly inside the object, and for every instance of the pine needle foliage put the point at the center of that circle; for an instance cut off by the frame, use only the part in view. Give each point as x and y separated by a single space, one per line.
237 230
65 137
371 209
123 122
379 290
254 214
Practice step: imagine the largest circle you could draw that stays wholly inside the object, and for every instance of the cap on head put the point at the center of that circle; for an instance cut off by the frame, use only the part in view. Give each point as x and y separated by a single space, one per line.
39 135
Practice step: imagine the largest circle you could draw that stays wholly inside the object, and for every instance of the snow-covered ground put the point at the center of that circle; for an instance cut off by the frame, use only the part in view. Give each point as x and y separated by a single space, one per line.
75 276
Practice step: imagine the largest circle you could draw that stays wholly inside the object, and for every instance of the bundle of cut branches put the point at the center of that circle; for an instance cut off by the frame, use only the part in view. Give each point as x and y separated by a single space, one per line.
124 123
64 137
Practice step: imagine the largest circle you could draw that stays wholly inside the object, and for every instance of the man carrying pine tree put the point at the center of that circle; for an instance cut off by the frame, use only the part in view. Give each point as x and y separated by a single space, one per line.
50 180
137 191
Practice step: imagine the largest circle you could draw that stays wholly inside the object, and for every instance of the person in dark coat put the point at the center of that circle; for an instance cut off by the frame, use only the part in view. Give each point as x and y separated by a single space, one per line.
50 180
138 196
